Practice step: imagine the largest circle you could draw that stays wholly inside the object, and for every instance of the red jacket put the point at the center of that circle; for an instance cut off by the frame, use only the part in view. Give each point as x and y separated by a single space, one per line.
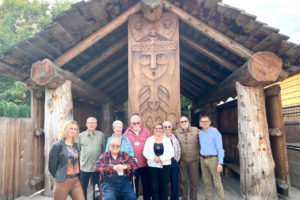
138 143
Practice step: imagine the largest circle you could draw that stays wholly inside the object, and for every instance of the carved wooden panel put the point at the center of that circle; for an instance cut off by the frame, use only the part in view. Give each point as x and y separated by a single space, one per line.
153 69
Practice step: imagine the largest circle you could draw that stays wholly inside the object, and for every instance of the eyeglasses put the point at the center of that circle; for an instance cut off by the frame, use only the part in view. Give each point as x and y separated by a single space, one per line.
157 129
115 145
167 127
204 121
135 123
183 121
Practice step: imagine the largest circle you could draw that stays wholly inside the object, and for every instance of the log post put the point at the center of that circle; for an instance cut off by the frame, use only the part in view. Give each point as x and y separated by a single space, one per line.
152 9
261 69
37 114
278 142
47 74
257 179
106 119
58 109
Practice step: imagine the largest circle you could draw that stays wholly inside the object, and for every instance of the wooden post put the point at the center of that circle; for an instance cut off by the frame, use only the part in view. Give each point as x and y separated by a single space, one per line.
106 119
257 179
153 69
278 141
37 114
58 109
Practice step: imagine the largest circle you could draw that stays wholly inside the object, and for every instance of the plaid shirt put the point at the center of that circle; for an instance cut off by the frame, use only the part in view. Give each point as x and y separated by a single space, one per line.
106 162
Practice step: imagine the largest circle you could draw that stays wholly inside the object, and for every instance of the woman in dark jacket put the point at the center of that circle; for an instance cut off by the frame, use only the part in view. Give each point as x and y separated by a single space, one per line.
64 163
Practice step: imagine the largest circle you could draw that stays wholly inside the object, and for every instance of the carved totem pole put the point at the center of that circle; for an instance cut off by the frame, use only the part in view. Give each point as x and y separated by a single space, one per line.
153 69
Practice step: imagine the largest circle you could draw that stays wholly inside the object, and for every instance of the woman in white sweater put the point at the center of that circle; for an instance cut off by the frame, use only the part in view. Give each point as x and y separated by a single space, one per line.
158 151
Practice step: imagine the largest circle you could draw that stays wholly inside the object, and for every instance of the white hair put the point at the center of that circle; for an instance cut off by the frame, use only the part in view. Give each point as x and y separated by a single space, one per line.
117 122
133 116
165 123
91 118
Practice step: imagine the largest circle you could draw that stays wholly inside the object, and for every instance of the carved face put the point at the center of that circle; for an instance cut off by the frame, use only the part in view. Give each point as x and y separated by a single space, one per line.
153 64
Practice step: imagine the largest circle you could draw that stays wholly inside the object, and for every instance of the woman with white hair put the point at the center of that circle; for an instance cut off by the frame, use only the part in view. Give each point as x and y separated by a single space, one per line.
174 175
125 143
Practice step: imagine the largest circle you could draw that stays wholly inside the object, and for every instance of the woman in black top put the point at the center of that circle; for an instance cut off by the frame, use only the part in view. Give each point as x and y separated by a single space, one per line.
63 163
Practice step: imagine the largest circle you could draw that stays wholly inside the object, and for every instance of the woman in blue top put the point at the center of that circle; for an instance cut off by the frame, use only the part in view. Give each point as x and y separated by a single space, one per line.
125 143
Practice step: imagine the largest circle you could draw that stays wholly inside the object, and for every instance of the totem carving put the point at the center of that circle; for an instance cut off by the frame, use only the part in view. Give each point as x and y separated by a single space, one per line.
153 69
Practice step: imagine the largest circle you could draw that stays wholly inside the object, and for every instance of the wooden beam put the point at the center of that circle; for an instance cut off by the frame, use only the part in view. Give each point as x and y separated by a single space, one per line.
121 81
152 9
119 73
261 69
216 58
47 74
189 84
212 33
108 68
257 178
92 39
106 54
197 73
200 83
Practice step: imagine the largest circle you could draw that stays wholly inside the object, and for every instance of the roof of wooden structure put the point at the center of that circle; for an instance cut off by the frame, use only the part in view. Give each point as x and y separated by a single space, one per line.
204 62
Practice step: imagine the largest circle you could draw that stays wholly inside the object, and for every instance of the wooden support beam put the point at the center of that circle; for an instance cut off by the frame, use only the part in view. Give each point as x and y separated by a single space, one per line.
197 81
121 81
197 73
47 74
95 37
216 58
58 109
261 69
106 54
152 9
278 143
119 73
106 119
210 32
213 34
112 65
257 178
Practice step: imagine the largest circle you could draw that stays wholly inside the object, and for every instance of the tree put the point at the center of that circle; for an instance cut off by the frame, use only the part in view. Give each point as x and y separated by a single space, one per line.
21 19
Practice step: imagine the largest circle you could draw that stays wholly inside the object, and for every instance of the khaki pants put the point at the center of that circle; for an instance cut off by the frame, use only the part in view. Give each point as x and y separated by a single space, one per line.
189 171
70 186
209 170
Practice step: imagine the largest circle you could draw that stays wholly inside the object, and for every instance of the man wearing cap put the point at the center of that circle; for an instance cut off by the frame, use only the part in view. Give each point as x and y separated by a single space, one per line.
189 160
138 136
211 158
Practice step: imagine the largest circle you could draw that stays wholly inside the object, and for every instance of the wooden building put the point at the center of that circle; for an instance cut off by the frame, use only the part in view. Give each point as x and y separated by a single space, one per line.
100 53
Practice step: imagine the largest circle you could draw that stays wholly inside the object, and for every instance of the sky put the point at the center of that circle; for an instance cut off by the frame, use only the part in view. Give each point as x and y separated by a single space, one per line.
281 14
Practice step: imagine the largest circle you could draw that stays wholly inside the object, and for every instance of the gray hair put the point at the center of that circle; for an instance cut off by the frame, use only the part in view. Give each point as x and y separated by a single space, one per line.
91 118
133 116
165 123
117 122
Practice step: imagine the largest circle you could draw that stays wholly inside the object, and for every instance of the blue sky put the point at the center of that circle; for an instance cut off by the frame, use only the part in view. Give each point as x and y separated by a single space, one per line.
280 14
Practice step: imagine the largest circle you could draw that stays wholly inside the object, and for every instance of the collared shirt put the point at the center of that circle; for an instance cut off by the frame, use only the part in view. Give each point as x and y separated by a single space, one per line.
138 142
176 145
211 143
125 144
91 146
189 144
106 162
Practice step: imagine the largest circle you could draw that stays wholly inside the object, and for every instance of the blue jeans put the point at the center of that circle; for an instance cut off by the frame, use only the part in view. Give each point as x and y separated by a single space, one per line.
174 183
117 185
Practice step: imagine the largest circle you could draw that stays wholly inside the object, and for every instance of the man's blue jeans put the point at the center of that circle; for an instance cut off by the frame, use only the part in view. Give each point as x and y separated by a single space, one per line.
117 185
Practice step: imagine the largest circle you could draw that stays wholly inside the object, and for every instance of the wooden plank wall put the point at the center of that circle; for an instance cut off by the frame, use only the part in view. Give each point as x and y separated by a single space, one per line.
228 126
16 155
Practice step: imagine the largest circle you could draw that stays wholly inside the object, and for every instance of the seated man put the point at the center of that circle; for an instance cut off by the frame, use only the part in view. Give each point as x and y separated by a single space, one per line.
115 166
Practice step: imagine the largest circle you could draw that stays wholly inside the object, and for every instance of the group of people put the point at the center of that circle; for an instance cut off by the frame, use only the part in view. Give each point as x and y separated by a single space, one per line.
165 156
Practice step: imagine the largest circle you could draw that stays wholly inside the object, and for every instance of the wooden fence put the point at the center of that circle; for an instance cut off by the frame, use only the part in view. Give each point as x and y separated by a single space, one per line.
16 156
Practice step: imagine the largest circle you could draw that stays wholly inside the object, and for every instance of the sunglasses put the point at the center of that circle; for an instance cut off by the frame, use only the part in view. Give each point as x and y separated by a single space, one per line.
167 126
157 129
183 121
136 123
115 145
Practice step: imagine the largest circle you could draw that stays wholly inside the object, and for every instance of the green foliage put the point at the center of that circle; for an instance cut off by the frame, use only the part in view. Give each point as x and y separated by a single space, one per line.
21 19
8 109
185 103
16 93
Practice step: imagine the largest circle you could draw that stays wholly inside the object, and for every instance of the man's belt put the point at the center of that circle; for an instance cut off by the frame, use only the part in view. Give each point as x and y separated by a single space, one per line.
209 156
71 175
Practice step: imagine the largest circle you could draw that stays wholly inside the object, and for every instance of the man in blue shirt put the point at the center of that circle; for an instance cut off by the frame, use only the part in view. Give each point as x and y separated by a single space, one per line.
211 158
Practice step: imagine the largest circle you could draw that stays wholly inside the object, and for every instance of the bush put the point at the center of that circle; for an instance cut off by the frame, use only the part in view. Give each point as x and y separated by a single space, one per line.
9 109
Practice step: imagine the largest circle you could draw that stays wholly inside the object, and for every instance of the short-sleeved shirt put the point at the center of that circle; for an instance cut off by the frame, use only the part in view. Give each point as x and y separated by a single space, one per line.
91 147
